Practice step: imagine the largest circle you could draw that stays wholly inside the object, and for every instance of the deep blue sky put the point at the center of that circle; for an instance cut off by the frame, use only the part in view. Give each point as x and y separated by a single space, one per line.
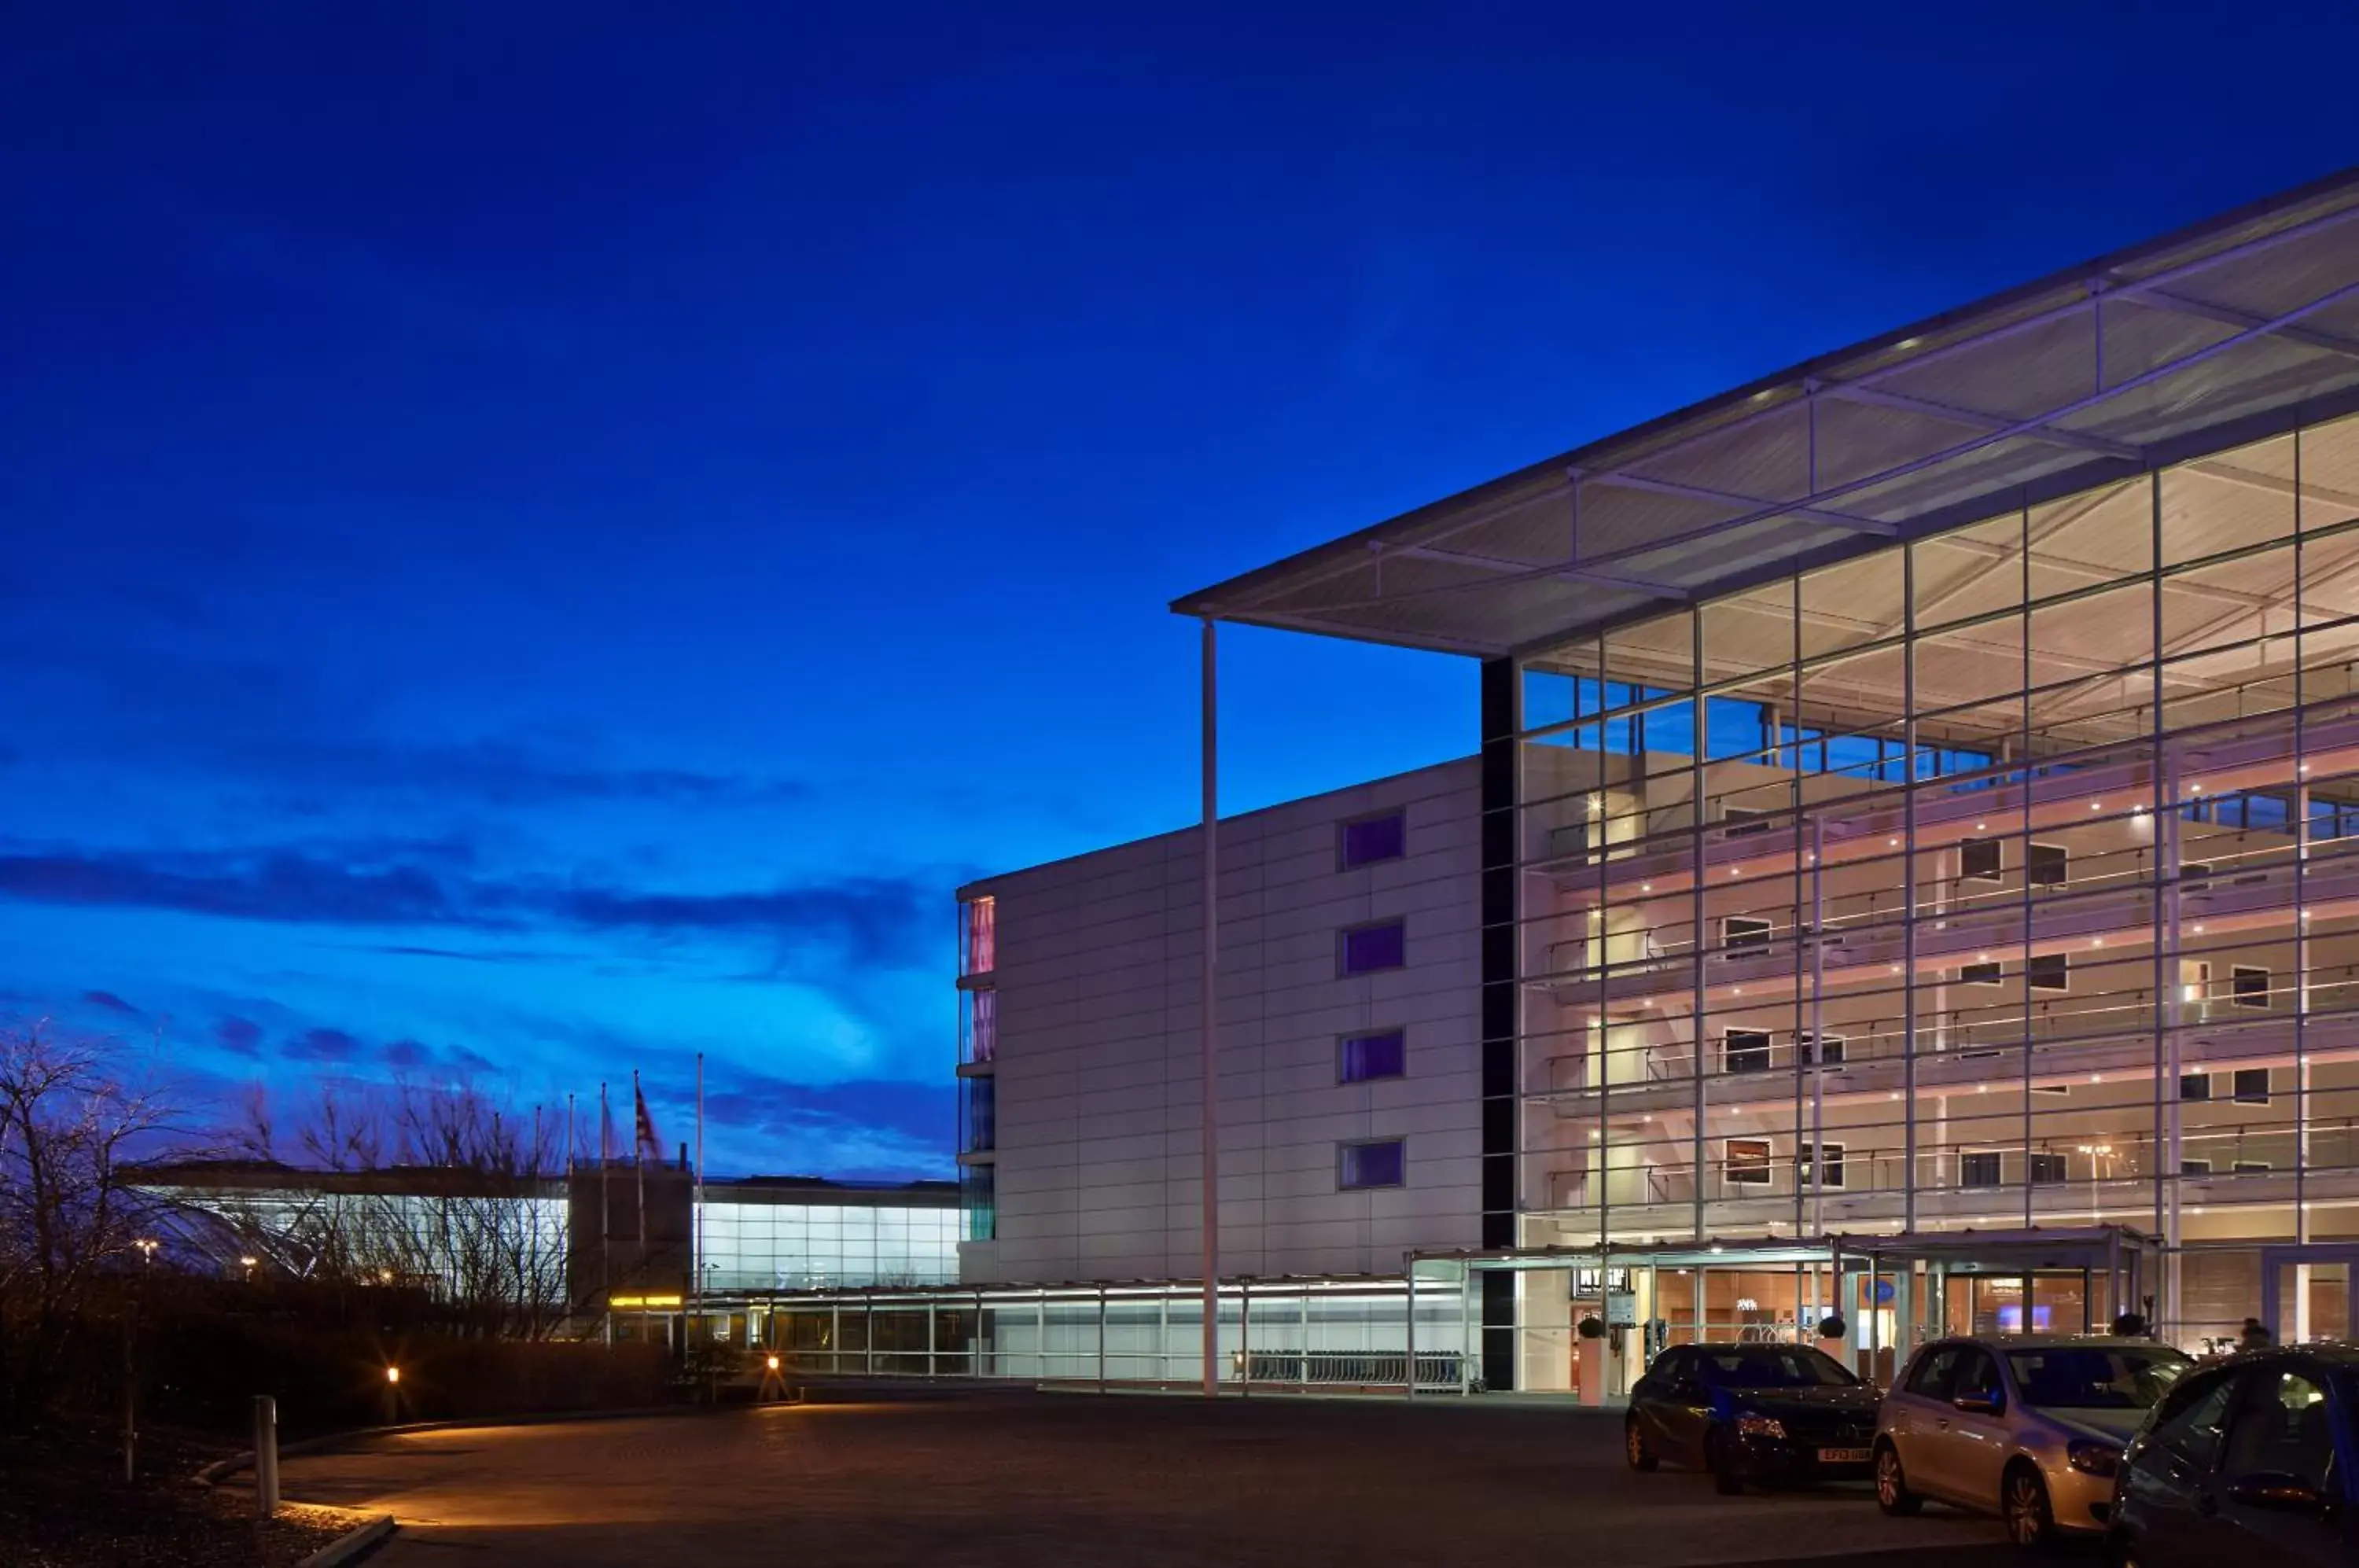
535 540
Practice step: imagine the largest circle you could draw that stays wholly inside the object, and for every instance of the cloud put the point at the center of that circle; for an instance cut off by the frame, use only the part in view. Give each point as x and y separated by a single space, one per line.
110 1002
872 920
243 1036
797 1117
407 1055
321 1045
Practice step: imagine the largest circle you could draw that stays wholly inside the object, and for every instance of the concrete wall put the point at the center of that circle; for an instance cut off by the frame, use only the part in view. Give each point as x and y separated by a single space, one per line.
1097 1155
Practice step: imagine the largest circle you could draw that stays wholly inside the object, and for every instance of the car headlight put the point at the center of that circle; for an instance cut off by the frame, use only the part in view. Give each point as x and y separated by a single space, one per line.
2092 1458
1759 1426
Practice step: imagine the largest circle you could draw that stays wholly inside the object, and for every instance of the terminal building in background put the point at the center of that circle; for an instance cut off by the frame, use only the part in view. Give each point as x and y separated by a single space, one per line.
1908 870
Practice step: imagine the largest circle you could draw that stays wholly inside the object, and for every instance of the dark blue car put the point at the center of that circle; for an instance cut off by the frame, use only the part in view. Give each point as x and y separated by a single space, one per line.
2247 1461
1759 1414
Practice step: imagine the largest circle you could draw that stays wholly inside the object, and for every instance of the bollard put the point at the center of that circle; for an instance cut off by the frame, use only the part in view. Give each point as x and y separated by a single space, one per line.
265 1456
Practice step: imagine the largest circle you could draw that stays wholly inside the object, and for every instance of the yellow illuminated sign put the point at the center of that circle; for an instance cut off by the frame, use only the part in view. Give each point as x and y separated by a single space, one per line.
620 1303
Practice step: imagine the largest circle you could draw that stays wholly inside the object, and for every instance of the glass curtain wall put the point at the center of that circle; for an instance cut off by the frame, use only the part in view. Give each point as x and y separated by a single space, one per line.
1991 879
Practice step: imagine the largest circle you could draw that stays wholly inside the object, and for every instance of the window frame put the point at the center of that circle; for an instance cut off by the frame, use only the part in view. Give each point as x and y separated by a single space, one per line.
1833 1153
1343 857
2237 996
1967 977
2032 870
1765 1166
1344 1043
1343 970
1997 873
1751 941
2200 1076
1809 1047
1766 1047
1998 1169
1343 1153
2031 970
2063 1165
2240 1095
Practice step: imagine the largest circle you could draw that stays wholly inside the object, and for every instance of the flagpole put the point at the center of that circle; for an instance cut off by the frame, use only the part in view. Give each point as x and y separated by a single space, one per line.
639 1163
696 1258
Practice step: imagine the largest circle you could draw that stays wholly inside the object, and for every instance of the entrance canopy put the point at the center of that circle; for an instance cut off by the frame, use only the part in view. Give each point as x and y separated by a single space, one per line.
1962 1251
2221 334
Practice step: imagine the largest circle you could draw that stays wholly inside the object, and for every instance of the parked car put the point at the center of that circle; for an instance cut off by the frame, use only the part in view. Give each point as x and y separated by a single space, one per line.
1751 1412
2239 1462
2030 1428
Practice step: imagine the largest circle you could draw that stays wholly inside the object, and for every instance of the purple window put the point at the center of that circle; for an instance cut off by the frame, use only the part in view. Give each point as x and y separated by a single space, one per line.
1372 839
1380 1055
1384 1164
1368 948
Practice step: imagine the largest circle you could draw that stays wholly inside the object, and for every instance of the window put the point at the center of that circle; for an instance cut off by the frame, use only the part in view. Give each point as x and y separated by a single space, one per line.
2052 1088
1748 1161
1982 860
2249 984
2194 875
2192 1417
2250 1168
1739 931
979 1202
1384 1054
2047 866
982 1039
982 929
981 1116
1929 1378
2195 1085
2047 1169
1978 1169
1379 1162
2049 971
1977 1373
1372 839
1745 1051
1821 1051
1744 819
2251 1086
1981 974
1832 1153
2281 1428
2195 1168
1368 949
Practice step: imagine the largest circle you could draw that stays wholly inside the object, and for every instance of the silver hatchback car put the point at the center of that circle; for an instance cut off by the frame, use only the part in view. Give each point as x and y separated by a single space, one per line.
2028 1427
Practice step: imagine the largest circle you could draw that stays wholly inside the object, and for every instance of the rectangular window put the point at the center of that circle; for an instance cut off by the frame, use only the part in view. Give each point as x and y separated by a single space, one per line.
2049 1168
982 937
1380 1163
1365 1057
1981 974
1982 860
1978 1169
1367 950
2195 1085
2048 865
2194 875
2249 984
2049 971
1748 1161
2252 1086
1833 1155
1738 932
1821 1051
1745 1051
1372 839
1744 819
982 1042
2195 1168
2251 1168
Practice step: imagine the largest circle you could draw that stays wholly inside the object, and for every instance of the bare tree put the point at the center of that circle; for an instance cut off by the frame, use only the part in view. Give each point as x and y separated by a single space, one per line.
70 1209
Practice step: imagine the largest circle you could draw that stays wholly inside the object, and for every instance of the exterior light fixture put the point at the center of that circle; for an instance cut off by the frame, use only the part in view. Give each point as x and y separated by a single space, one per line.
392 1374
772 1363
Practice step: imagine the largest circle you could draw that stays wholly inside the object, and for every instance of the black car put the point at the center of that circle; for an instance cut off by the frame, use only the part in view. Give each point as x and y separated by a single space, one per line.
1752 1412
2246 1461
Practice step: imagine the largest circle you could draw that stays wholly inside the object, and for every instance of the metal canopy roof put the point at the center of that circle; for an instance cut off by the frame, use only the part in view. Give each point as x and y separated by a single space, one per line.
2220 333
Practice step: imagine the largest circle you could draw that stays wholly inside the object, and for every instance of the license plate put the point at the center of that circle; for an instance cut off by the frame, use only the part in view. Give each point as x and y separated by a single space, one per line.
1842 1455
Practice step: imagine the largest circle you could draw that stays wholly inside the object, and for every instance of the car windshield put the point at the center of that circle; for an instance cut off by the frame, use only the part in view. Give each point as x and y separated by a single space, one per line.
1771 1367
2095 1377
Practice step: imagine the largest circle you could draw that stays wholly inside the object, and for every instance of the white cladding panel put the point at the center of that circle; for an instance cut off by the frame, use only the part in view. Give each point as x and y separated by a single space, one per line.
1098 1099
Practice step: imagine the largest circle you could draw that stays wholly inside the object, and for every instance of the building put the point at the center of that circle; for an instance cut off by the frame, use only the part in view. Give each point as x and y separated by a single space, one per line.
1898 876
572 1248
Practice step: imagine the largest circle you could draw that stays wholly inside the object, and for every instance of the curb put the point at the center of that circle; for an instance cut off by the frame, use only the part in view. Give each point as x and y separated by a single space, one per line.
351 1544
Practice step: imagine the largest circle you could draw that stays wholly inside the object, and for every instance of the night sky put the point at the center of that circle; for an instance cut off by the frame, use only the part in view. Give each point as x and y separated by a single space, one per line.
536 540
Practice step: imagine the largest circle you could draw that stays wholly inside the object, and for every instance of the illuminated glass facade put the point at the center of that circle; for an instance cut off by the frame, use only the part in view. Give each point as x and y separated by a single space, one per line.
2003 867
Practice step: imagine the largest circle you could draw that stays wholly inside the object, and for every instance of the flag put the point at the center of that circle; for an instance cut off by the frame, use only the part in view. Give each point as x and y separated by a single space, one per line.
649 1145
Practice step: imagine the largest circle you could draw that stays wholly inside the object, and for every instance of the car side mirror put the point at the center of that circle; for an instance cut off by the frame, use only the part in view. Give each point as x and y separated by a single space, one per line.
1983 1403
2278 1493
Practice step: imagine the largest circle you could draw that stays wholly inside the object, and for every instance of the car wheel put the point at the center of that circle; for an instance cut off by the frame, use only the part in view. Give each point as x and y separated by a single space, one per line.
1720 1458
1892 1492
1634 1446
2023 1504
